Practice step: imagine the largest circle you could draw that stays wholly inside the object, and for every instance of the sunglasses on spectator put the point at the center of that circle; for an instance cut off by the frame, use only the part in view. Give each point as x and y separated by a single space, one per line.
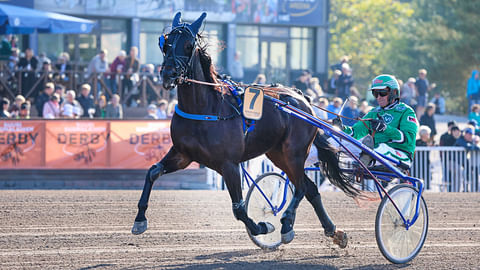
381 92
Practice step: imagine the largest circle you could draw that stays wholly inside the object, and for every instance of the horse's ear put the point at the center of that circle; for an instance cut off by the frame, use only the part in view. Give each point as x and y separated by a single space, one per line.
195 26
176 19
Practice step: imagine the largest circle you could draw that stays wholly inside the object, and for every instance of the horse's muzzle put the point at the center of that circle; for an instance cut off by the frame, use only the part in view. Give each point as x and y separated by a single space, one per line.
170 78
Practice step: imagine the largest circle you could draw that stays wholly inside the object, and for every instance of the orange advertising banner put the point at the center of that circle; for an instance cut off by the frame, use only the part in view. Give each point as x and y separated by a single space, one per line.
22 144
76 144
138 144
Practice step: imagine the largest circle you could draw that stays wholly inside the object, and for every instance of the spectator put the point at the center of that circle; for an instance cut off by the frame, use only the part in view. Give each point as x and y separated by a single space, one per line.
345 82
333 84
428 120
15 108
5 48
67 111
98 64
149 70
473 89
439 102
42 59
424 140
467 140
13 59
423 86
114 108
60 90
28 65
407 95
364 108
471 144
100 108
447 138
236 68
151 112
162 109
475 113
334 107
117 68
86 101
322 104
5 105
301 82
260 79
75 105
63 66
24 111
315 89
449 158
351 111
44 97
475 126
338 66
132 66
51 109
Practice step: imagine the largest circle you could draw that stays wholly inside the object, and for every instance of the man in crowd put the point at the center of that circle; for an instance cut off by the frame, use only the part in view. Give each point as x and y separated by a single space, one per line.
86 100
44 97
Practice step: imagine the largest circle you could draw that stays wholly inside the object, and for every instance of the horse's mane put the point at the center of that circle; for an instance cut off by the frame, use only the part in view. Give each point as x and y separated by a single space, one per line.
211 75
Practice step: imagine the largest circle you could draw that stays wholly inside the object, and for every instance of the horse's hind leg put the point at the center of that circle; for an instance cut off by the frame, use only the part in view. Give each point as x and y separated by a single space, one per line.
313 196
173 161
231 174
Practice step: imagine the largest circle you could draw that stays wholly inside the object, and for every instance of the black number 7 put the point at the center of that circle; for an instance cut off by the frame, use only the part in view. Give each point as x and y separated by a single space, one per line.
256 92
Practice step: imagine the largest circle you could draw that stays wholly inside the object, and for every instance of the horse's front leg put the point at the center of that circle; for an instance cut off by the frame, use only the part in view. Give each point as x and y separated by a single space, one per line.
173 161
231 174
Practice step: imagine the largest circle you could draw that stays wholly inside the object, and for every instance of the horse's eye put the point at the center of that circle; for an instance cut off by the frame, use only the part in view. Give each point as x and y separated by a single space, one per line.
188 47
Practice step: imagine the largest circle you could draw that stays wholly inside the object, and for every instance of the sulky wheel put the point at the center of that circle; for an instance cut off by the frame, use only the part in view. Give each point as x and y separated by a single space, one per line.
258 209
396 243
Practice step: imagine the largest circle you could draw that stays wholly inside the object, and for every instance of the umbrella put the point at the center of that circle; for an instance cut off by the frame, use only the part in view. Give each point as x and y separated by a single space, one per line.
20 20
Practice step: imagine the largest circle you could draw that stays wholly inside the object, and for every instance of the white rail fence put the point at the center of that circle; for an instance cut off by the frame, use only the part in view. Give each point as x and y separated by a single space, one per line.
443 169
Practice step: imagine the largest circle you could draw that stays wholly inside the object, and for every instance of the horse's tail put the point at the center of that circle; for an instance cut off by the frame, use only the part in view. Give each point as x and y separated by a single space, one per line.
331 168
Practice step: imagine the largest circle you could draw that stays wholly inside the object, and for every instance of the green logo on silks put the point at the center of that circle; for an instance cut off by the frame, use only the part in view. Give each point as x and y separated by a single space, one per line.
388 118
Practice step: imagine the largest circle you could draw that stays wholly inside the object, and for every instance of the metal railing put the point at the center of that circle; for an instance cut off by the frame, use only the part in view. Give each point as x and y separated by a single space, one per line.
142 86
443 169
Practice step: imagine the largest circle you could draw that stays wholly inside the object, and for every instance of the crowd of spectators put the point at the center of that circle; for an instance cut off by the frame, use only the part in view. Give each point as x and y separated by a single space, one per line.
95 94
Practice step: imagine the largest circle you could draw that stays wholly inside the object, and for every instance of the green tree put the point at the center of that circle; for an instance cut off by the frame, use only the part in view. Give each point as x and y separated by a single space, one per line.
369 32
443 37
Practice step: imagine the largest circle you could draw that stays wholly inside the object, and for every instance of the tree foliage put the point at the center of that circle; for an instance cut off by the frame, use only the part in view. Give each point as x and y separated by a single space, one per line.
400 37
366 31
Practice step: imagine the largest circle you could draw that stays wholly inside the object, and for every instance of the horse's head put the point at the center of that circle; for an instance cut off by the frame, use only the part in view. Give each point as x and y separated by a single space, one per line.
178 48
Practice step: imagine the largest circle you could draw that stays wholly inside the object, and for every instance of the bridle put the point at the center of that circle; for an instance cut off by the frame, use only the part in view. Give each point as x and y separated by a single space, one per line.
182 63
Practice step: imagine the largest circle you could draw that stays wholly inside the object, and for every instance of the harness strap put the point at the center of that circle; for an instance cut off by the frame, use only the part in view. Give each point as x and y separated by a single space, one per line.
199 117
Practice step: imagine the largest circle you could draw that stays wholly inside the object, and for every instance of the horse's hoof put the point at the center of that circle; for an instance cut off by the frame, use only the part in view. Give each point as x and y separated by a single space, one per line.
269 226
288 237
340 238
139 227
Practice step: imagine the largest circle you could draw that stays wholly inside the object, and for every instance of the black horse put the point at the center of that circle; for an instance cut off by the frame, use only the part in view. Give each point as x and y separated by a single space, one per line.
222 145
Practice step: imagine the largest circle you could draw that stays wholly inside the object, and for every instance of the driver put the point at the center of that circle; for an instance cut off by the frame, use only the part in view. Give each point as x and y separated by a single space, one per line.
391 128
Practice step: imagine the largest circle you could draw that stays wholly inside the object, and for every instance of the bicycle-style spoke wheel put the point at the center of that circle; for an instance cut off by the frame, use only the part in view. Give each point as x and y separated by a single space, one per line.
258 209
396 243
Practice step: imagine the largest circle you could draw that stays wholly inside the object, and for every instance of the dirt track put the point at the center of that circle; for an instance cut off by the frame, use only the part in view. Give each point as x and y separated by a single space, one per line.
72 229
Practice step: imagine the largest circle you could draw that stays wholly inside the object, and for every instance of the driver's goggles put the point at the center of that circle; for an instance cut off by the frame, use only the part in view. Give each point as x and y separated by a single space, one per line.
380 92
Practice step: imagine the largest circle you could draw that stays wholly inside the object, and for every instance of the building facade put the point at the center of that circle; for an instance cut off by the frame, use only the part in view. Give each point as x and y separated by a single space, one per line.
278 38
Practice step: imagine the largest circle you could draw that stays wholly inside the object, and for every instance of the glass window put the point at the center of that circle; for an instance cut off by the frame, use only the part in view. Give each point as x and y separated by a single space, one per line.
248 46
281 32
247 43
51 44
113 37
149 33
216 44
243 30
302 51
87 47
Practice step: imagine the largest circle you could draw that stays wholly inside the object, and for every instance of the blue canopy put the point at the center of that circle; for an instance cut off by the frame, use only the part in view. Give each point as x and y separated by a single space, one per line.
19 20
